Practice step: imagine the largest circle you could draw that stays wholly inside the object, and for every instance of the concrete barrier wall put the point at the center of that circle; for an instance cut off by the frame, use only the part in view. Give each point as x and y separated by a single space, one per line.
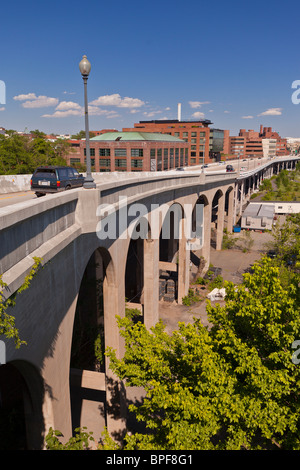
14 183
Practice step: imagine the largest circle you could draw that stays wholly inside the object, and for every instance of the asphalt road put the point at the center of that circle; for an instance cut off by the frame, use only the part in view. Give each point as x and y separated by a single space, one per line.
14 198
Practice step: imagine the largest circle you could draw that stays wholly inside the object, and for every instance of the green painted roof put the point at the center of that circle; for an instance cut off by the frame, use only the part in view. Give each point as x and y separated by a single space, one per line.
136 136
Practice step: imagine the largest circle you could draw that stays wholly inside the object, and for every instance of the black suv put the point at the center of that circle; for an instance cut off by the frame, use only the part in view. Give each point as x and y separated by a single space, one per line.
51 179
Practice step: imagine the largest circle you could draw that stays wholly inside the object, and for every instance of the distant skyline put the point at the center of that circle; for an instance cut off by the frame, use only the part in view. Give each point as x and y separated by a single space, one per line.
224 61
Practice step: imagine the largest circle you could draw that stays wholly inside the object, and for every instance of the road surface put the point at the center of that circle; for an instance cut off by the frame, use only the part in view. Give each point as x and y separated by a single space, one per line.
14 198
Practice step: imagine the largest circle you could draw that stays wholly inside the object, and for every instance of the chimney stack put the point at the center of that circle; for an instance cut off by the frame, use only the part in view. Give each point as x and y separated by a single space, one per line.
179 111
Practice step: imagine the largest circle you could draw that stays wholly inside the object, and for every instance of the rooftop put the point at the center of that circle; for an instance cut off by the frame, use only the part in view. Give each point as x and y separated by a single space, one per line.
176 121
136 136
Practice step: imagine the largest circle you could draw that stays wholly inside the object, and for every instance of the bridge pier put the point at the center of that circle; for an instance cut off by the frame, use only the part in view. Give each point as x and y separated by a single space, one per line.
151 282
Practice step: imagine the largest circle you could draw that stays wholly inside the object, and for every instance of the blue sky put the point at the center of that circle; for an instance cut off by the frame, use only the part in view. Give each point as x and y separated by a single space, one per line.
231 62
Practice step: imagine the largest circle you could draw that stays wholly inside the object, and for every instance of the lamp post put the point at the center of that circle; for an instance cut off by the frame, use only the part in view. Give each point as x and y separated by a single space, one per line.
85 68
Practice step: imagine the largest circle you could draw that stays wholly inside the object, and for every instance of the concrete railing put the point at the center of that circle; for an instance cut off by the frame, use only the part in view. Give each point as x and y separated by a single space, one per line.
35 228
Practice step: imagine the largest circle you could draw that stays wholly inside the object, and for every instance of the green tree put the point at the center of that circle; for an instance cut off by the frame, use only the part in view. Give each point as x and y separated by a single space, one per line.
286 241
15 157
233 387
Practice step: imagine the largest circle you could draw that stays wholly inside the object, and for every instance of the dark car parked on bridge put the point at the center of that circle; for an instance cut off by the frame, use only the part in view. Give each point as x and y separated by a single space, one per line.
229 168
51 179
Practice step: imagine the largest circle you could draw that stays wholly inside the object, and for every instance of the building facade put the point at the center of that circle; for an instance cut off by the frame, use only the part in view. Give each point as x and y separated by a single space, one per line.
132 151
202 143
253 144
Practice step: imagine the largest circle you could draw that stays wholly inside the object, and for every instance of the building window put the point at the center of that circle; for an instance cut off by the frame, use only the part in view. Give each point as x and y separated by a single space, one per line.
194 134
136 152
73 161
152 153
92 162
193 141
104 162
120 153
181 157
104 152
202 134
166 159
136 163
176 134
185 134
121 162
176 157
92 152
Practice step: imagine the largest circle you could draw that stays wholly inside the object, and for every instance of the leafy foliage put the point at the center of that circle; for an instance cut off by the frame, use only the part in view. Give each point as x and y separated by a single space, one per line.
81 440
7 321
20 155
233 387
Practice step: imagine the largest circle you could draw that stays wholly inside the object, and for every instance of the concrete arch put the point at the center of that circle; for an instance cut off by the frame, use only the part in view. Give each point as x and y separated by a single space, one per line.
98 391
22 390
229 208
201 255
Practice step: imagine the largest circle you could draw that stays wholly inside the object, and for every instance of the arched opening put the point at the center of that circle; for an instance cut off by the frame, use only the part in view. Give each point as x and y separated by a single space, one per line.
229 208
12 410
87 361
216 217
200 225
135 267
169 245
21 401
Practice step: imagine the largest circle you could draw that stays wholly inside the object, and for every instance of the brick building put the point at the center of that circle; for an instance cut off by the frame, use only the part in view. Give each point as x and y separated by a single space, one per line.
204 144
253 144
132 151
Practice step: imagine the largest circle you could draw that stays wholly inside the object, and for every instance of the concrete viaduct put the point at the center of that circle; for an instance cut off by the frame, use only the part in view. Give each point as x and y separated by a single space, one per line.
63 230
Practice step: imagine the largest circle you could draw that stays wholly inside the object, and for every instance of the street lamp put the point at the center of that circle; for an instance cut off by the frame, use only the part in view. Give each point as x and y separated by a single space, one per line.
203 154
85 68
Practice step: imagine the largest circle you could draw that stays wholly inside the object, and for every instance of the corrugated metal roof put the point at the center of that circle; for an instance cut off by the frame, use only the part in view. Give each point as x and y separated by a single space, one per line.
136 136
259 210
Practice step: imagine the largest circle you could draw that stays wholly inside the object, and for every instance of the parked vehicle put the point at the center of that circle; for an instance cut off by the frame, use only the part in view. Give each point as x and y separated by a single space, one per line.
51 179
229 168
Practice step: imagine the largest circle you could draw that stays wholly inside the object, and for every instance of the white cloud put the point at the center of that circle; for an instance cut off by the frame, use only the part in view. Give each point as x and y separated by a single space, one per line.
197 104
198 115
69 93
167 109
226 112
67 110
33 101
63 114
271 112
65 105
247 117
116 100
151 113
29 96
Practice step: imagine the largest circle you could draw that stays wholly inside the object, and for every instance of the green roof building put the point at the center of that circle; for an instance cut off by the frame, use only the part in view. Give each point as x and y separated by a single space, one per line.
134 151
